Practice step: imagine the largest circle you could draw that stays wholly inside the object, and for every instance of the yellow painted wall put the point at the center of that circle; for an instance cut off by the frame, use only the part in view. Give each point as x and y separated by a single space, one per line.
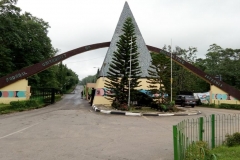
100 99
100 84
218 96
21 85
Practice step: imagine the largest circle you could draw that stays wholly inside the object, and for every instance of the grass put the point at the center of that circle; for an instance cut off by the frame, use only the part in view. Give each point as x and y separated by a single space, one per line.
199 151
226 153
4 108
4 105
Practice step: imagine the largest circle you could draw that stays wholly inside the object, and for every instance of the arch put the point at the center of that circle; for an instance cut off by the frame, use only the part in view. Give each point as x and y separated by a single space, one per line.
38 67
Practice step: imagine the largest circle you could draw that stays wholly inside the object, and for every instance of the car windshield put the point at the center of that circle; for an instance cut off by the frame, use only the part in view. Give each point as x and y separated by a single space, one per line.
189 97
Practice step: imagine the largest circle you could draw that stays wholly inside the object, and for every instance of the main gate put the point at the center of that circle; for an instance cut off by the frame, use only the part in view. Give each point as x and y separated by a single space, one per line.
45 94
36 68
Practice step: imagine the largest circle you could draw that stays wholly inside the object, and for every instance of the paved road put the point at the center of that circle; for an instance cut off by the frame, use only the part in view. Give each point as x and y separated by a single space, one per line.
70 130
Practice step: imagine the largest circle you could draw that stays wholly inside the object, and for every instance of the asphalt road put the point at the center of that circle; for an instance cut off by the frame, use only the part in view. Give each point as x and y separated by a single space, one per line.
71 130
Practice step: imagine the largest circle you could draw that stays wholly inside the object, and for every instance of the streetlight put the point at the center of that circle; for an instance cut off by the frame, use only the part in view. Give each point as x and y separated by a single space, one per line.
129 79
171 71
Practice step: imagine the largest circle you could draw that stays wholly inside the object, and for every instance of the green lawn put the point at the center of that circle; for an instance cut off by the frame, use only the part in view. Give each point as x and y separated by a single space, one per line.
4 105
227 153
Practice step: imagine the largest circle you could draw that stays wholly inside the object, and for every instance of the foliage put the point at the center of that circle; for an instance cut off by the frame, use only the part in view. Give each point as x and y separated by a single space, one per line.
226 153
23 38
224 63
184 80
23 105
58 76
24 42
159 76
210 105
88 79
229 106
198 150
233 140
119 73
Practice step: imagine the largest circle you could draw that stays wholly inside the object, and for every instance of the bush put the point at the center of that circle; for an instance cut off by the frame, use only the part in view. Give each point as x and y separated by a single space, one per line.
198 150
31 103
210 105
23 105
115 105
233 140
16 105
229 106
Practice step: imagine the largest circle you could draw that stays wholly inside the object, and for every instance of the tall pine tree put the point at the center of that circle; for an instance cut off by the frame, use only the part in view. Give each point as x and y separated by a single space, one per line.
119 72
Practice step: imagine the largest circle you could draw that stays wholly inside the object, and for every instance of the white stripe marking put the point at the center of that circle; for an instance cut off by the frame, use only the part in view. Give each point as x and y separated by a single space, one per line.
18 131
132 114
168 114
107 112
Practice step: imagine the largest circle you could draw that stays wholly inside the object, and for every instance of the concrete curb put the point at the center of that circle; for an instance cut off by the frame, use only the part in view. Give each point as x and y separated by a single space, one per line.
142 114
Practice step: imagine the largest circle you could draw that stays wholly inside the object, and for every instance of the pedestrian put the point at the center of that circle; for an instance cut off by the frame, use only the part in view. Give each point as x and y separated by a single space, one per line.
82 94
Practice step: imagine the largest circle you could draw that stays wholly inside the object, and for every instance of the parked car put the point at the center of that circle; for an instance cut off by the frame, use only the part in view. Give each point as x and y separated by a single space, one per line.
185 100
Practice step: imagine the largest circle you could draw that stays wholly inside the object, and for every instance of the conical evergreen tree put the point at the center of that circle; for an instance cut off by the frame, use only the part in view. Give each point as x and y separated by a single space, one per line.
120 71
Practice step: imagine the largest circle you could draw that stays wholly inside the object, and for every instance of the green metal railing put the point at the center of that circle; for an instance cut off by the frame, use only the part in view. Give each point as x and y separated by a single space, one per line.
212 130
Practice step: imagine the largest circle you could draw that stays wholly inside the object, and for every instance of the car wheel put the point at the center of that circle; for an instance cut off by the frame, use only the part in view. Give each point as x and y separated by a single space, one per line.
192 106
182 105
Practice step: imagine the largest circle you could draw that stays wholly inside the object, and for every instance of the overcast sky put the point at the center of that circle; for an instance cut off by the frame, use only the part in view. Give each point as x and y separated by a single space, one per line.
75 23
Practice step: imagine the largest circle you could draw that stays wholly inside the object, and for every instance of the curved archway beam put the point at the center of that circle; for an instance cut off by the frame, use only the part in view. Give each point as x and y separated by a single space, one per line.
223 86
38 67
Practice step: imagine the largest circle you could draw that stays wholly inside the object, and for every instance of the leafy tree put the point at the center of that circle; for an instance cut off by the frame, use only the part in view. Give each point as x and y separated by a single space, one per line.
23 39
159 76
24 42
184 80
229 67
88 79
119 73
213 59
224 63
9 16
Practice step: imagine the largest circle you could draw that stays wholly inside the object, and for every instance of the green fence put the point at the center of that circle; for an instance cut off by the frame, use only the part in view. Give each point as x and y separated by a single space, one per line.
212 129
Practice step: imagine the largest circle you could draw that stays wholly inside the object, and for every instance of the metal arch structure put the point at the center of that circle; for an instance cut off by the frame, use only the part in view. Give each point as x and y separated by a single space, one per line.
38 67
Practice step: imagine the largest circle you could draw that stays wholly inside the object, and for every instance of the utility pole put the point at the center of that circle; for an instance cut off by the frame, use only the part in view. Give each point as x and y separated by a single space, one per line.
171 70
129 79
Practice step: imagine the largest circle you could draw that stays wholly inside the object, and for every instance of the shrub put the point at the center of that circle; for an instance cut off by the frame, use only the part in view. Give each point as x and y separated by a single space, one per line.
23 105
229 106
164 107
233 140
210 105
197 150
115 104
16 105
31 103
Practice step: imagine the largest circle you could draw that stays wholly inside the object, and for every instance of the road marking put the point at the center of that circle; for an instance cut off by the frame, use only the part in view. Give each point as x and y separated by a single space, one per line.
18 131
